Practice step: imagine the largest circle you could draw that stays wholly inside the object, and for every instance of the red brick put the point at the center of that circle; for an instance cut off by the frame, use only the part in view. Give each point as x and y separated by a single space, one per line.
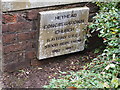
14 47
16 27
26 36
5 28
11 67
23 36
9 38
20 46
30 55
33 35
32 14
27 26
35 25
30 45
21 56
8 58
9 18
21 16
14 57
20 27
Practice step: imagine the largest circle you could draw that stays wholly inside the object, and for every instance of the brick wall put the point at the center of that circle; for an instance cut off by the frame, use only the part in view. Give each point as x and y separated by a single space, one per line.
20 35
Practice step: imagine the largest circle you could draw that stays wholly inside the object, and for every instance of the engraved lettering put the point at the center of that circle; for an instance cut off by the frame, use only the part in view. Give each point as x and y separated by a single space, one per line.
76 41
51 45
64 31
66 16
56 51
56 38
63 24
61 31
64 43
69 48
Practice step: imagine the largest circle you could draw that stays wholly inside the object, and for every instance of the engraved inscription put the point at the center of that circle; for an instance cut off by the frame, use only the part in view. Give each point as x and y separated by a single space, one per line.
66 16
61 32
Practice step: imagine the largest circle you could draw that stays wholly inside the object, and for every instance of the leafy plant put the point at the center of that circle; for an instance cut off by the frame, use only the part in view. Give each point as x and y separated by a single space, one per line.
104 70
97 51
107 23
84 79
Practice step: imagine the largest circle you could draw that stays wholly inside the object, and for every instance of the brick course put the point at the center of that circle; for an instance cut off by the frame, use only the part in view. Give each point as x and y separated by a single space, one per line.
9 18
13 57
20 35
9 38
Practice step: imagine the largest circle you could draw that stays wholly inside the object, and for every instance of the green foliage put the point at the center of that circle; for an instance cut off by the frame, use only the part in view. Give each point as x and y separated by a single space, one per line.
107 22
103 63
82 79
97 50
104 70
101 75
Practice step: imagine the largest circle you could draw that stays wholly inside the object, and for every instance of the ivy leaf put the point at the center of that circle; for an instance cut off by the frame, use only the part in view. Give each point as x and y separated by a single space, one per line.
106 85
115 82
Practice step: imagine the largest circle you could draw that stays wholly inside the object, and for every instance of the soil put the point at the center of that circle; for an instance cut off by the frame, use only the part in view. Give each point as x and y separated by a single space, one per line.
38 76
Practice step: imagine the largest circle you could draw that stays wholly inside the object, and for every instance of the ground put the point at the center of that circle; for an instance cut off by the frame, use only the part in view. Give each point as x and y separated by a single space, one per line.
38 76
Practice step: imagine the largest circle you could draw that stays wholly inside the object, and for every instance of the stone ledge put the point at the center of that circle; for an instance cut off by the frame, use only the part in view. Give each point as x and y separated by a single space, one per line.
12 5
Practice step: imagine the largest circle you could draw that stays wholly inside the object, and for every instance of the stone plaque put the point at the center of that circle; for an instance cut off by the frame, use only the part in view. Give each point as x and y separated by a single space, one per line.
61 31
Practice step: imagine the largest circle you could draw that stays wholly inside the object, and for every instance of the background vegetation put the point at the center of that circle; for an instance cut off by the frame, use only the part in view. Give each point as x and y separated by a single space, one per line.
104 70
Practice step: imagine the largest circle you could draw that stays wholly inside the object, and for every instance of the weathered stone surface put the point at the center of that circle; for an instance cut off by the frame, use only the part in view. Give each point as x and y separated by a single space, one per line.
10 5
61 32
